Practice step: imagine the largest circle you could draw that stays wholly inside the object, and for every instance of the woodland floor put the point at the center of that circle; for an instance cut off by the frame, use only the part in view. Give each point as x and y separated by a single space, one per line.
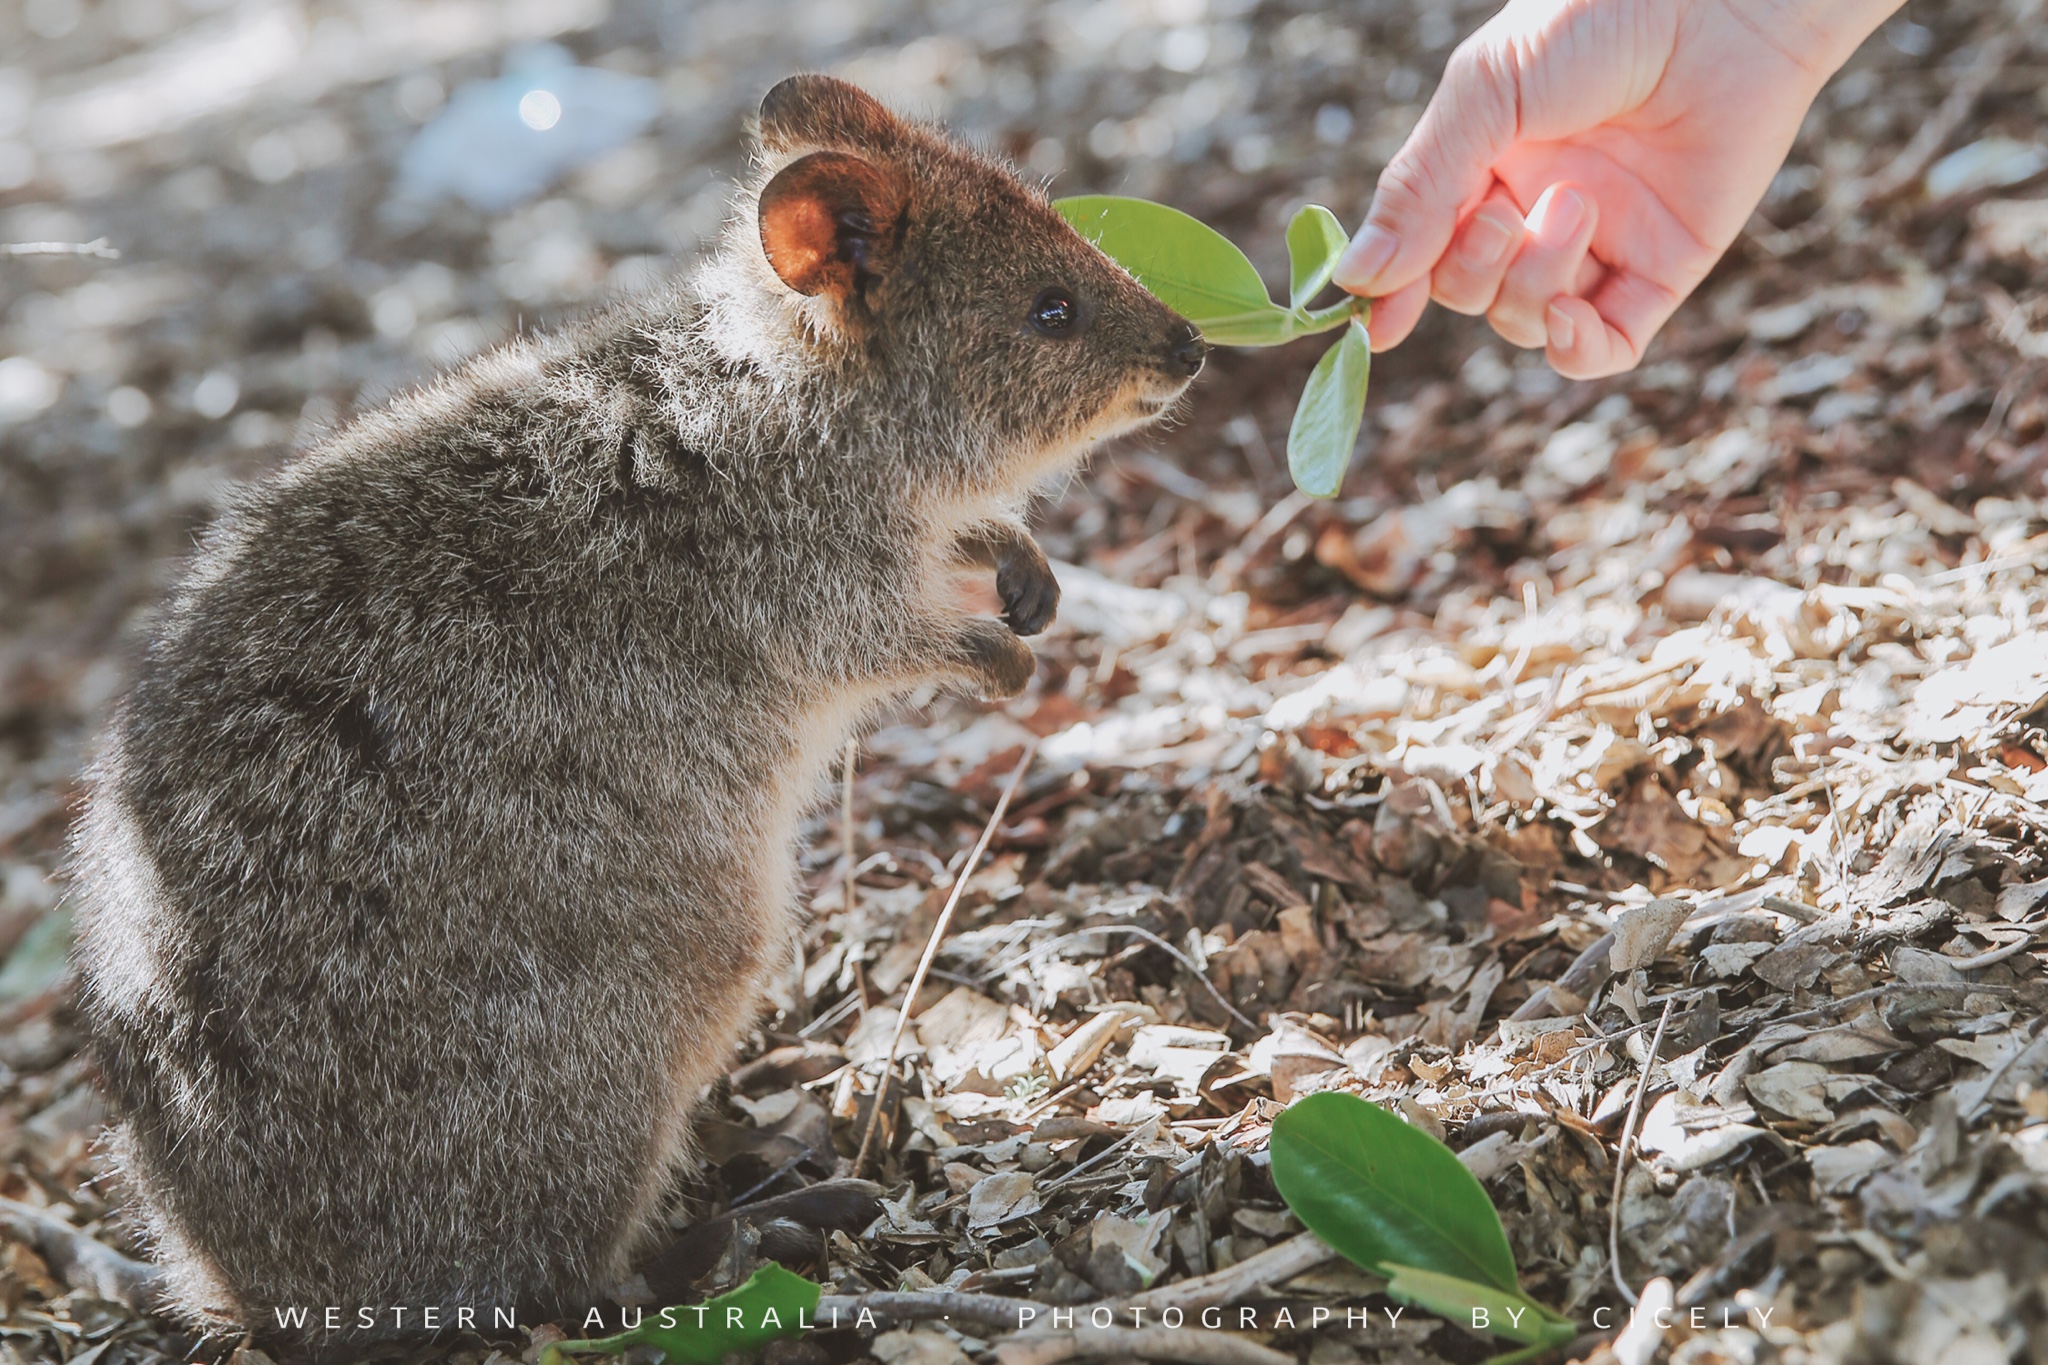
1740 659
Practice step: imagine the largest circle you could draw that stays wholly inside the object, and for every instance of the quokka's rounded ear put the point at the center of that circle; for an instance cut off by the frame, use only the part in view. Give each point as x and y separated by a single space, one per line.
832 223
822 111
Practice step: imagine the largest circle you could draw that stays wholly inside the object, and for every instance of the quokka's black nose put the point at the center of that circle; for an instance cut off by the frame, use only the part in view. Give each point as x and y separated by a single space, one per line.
1185 355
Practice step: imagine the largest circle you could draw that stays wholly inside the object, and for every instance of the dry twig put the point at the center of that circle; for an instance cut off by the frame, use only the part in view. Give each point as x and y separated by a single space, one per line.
1991 957
931 949
925 1305
1282 1261
83 1261
1176 954
1621 1153
1146 1343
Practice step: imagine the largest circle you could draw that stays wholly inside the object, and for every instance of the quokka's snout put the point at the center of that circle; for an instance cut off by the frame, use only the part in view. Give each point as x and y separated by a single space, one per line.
1185 350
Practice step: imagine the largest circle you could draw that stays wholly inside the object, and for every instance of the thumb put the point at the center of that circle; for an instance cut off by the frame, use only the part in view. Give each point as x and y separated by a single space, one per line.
1445 167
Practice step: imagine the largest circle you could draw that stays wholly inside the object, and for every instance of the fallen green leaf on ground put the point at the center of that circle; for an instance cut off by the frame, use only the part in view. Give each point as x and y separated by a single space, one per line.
1399 1203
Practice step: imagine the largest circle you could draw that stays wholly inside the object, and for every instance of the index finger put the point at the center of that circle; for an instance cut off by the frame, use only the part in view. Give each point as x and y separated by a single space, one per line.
1444 168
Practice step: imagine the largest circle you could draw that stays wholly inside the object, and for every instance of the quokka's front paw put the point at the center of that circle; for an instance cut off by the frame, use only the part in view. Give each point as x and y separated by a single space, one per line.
1029 591
1023 579
999 663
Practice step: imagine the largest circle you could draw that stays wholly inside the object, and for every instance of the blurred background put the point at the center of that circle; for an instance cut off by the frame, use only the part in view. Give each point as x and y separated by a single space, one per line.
307 205
293 248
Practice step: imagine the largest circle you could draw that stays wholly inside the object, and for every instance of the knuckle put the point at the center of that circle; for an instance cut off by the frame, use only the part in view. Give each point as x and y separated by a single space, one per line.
1404 188
1481 80
1471 63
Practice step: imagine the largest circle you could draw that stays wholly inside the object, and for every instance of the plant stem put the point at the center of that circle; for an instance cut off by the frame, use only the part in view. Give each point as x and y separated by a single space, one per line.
1308 323
931 950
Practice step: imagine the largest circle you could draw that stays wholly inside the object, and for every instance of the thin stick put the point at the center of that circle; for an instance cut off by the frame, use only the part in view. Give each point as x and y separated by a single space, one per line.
1991 957
1628 1134
1963 572
831 1016
1050 1100
1997 1078
1184 1344
1146 934
1095 1160
931 948
82 1260
1282 1261
1890 988
983 1310
1832 1008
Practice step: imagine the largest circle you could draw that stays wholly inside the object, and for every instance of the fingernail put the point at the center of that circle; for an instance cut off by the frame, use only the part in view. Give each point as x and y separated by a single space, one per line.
1557 217
1560 327
1366 257
1486 241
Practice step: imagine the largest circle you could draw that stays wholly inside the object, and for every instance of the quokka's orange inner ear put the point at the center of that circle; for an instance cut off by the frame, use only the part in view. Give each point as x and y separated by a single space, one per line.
831 223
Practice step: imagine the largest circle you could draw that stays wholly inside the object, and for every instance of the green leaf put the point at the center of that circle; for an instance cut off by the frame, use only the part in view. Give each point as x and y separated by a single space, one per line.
1274 328
1315 239
1379 1190
1477 1306
774 1303
1326 425
1186 264
1197 272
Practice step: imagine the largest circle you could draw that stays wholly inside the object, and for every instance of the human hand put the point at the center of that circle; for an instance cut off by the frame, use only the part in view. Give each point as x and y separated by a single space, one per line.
1584 163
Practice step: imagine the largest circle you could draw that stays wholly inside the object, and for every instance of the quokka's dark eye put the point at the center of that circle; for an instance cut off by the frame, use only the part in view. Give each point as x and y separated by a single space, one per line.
1054 313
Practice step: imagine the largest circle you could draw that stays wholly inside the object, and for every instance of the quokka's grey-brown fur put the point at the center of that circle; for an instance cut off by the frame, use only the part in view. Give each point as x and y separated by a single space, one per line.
434 863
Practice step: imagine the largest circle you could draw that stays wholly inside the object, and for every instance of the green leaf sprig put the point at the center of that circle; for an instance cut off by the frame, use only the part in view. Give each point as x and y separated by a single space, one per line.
1396 1202
1200 274
771 1304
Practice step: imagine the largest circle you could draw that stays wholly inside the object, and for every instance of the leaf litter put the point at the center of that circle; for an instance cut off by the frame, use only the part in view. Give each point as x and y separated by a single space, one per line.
1718 685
